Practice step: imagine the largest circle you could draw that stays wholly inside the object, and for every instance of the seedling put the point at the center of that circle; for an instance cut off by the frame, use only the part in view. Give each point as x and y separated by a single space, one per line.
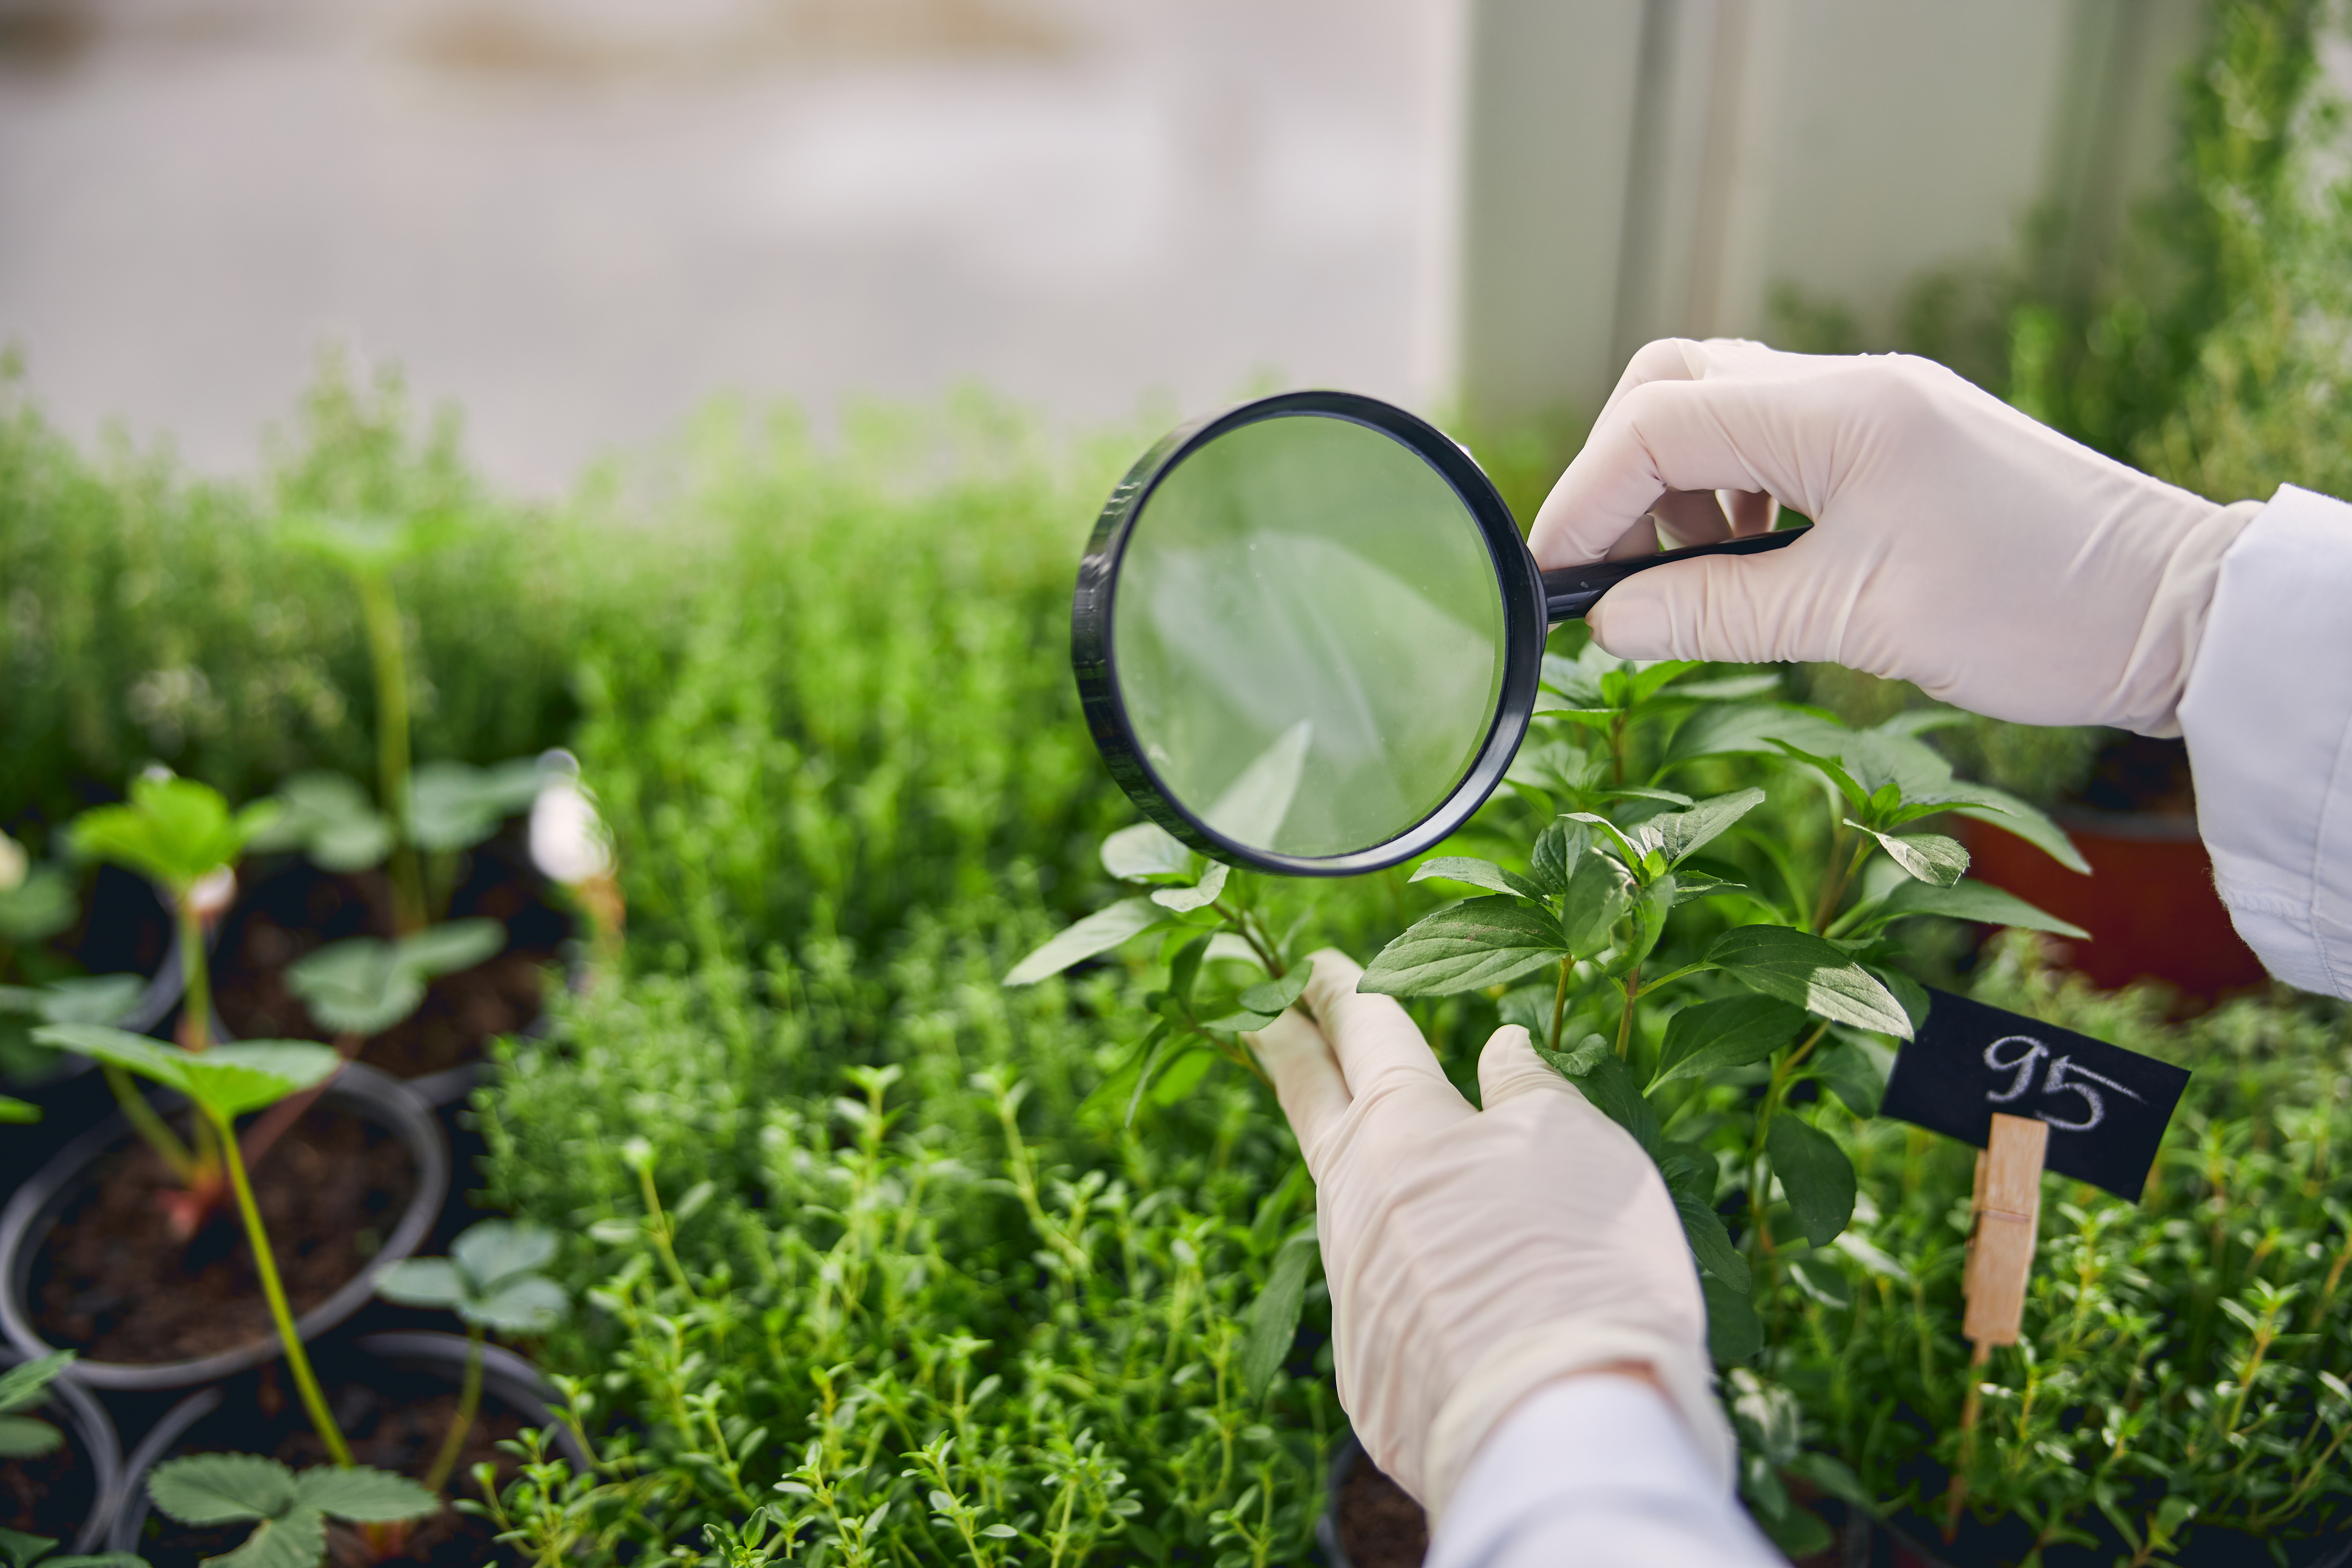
439 808
182 835
491 1279
361 987
24 1387
223 1084
79 999
288 1509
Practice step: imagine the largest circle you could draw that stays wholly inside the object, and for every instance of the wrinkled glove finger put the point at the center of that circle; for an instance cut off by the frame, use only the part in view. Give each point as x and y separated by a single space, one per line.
1306 1080
1509 1068
1378 1046
1730 434
1752 609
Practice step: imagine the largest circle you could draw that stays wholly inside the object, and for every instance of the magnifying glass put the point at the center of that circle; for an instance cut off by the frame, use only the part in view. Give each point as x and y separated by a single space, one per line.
1308 634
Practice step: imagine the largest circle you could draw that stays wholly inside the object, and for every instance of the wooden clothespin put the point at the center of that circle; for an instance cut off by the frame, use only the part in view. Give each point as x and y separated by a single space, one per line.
2006 1215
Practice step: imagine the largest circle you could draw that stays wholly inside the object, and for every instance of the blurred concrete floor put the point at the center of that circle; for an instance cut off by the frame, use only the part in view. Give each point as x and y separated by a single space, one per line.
580 218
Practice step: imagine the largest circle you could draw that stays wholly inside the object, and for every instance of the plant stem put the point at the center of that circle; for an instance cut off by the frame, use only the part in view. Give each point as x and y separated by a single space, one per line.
1956 1495
1626 1019
265 1264
381 613
1559 1000
470 1399
196 976
1834 890
1778 1087
150 1126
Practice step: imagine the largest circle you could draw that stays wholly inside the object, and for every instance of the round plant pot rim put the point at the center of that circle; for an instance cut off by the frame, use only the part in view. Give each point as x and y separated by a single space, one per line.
507 1378
32 1213
94 1433
1344 1459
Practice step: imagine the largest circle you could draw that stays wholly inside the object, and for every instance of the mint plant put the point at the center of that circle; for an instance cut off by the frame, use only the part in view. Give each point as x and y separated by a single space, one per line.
493 1281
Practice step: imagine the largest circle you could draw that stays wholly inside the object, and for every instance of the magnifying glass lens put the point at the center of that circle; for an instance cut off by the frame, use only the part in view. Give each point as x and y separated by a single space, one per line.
1309 636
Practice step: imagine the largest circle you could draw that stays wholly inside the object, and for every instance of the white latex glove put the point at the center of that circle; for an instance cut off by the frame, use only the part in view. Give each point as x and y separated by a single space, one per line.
1475 1256
1958 544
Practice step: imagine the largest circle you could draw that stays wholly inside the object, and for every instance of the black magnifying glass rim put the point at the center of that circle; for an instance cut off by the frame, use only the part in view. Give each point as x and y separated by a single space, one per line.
1093 660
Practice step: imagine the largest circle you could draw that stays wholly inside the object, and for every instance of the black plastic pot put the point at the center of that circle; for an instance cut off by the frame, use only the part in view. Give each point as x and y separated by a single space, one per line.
507 1381
33 1212
94 1439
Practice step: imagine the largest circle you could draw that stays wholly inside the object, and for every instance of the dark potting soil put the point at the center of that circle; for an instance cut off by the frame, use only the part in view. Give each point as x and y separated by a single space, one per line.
393 1420
1379 1524
50 1494
112 1281
301 909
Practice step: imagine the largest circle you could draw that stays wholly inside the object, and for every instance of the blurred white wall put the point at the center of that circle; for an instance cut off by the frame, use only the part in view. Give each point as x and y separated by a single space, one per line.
578 218
1646 168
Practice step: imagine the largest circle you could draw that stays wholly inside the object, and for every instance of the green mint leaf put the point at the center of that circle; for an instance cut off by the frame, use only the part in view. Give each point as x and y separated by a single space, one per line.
1098 932
1855 1074
1815 1174
1272 996
1817 1277
1597 895
1734 1332
1710 1243
1479 874
1816 974
1974 901
1198 897
1927 857
1577 1063
1272 1321
1831 769
1557 851
1734 1032
1471 945
1683 833
1184 969
2005 811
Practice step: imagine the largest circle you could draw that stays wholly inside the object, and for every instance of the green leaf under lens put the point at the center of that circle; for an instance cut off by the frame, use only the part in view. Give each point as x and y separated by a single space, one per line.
1975 901
1146 849
1099 932
1273 1322
1815 1174
1816 974
1272 996
1471 945
362 1495
1711 1037
1478 874
1927 857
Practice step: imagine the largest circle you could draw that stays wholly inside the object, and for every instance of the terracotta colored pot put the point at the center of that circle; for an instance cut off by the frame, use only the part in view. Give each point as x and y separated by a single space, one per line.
2149 903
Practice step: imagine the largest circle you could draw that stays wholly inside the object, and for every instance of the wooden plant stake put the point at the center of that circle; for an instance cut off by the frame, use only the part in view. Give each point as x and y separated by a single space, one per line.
2007 1213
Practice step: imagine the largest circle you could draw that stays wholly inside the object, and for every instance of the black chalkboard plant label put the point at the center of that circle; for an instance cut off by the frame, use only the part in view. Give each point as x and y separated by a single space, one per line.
2106 1108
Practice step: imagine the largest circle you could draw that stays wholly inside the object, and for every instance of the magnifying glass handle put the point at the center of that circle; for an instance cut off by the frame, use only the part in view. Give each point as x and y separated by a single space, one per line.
1571 592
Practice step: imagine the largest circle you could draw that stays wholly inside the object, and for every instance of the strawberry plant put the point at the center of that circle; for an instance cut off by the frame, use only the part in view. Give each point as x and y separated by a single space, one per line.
492 1279
22 1388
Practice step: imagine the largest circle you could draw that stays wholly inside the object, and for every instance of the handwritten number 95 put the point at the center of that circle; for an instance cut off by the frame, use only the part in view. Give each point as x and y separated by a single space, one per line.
2024 1054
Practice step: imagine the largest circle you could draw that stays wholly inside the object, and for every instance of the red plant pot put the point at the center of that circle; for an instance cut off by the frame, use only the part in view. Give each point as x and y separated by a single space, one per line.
2149 903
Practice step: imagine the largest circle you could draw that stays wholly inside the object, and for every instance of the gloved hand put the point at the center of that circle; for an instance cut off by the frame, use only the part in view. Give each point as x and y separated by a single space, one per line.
1475 1256
1958 544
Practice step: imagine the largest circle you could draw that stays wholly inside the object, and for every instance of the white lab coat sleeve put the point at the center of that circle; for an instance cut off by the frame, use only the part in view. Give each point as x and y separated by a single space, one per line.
1599 1472
2268 718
